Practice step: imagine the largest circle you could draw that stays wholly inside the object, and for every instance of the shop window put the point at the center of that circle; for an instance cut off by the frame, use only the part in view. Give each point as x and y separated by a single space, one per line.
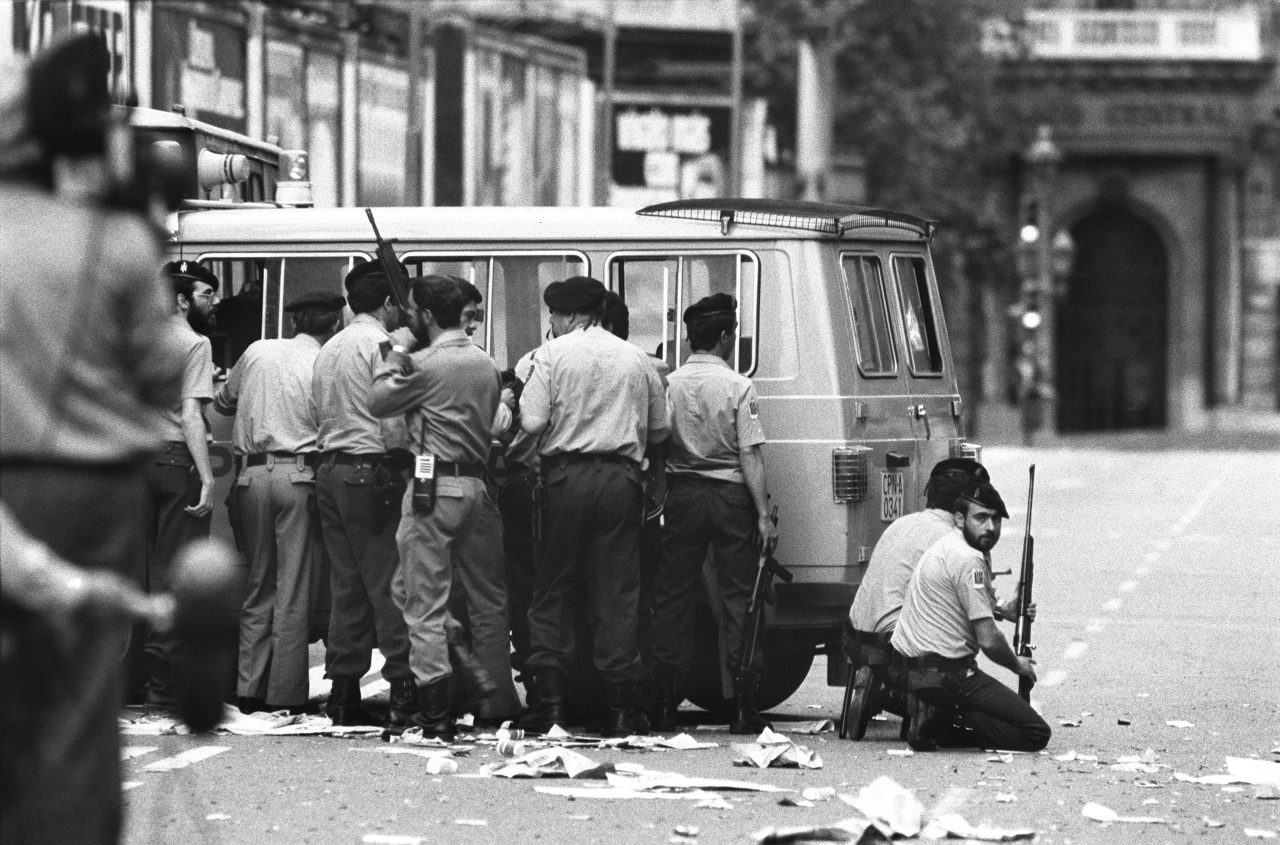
658 288
872 336
919 321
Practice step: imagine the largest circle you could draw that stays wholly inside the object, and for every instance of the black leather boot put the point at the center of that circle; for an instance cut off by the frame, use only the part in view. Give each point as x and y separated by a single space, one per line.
472 682
434 717
620 720
403 702
667 697
549 685
922 724
344 706
746 719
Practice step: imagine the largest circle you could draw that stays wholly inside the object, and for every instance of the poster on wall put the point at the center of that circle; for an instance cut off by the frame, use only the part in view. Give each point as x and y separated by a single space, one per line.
663 153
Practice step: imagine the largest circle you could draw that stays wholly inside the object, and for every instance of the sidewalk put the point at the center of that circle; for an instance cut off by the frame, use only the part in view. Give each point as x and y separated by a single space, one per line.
1234 429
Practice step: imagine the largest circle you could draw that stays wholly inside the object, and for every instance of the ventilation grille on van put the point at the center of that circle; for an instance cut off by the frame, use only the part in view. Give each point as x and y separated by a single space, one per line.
826 218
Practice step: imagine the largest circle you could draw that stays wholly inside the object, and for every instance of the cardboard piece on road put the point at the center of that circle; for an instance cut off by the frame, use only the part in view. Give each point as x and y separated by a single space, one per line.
957 828
1098 813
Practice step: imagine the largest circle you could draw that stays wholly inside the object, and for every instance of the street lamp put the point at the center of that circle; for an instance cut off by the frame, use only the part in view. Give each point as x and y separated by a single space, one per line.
1042 158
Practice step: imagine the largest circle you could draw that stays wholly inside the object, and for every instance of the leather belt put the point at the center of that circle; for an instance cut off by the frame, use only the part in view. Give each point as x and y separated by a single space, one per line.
175 453
944 664
566 458
352 458
460 470
304 459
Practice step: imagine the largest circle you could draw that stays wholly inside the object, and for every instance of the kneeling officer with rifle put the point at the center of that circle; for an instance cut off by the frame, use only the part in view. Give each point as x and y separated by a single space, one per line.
949 614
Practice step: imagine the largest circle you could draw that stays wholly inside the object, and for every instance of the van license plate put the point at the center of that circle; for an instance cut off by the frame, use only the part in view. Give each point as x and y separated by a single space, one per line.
891 497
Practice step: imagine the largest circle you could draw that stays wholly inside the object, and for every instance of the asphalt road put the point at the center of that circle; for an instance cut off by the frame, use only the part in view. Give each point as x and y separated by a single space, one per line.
1157 638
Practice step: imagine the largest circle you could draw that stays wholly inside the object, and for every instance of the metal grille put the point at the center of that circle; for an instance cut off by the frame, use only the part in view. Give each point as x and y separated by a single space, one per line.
850 479
824 218
726 216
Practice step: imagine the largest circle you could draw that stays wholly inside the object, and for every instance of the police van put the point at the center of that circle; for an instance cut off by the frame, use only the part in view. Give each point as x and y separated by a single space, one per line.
841 330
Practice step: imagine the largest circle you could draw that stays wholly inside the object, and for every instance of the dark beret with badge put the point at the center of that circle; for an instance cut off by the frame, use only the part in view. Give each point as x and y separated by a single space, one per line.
575 295
317 300
711 306
192 270
366 268
968 466
983 494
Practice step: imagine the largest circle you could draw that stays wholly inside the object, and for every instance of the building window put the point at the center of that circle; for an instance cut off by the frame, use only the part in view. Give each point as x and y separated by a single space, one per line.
384 124
302 106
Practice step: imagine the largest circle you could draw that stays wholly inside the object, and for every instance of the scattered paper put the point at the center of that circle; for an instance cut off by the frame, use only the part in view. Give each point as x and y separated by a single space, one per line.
716 803
1258 833
774 749
812 728
1006 797
1099 813
818 793
217 817
1071 756
615 792
889 805
1239 770
543 762
1179 723
956 827
847 830
684 742
1208 822
670 781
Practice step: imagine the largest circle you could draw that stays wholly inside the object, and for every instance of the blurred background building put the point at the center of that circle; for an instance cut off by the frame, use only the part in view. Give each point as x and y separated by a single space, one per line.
1138 140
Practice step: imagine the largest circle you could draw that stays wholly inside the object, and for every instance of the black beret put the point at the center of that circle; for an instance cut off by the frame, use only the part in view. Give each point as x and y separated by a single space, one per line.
983 494
966 465
711 306
190 270
316 299
366 268
575 295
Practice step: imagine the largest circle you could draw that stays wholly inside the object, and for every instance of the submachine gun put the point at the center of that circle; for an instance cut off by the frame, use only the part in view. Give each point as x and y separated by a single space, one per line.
1022 628
761 592
391 265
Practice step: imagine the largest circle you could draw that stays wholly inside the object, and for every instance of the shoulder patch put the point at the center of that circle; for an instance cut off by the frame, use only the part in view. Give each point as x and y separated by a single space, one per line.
979 580
753 409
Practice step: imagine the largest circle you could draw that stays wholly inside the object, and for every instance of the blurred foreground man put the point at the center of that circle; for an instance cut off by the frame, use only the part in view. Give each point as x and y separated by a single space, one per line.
597 403
86 365
948 615
274 435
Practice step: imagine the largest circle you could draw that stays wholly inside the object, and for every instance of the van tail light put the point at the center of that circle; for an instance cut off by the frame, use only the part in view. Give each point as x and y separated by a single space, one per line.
962 449
850 477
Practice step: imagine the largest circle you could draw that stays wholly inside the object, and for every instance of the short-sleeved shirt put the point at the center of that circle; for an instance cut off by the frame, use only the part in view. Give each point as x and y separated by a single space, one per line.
714 416
879 599
450 398
86 359
340 385
591 392
950 589
523 448
196 354
269 391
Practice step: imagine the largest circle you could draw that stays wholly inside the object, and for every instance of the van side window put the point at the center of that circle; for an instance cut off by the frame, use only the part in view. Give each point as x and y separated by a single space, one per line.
516 320
658 288
255 290
865 281
918 319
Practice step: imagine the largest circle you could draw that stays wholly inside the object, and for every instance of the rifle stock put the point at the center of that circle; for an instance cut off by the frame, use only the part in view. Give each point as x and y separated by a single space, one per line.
1022 630
391 266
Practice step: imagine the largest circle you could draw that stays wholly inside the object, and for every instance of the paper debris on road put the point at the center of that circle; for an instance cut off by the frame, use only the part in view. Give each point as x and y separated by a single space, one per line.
1239 770
1072 756
429 753
899 752
818 793
644 779
1258 833
1006 797
716 803
1208 822
1179 723
812 728
684 742
774 749
543 762
1098 813
890 805
847 830
617 792
956 827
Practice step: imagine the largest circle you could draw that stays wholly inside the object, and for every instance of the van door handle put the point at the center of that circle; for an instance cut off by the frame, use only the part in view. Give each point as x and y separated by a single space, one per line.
920 412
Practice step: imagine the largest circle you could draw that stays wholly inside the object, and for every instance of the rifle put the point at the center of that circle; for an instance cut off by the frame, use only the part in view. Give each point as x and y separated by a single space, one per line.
1022 628
762 591
391 266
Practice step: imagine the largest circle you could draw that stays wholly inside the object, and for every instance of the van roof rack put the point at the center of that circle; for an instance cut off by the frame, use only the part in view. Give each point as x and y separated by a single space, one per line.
828 218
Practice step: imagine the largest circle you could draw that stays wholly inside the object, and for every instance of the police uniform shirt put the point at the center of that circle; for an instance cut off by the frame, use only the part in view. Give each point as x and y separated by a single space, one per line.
86 358
451 396
523 448
951 588
714 416
269 391
591 392
197 374
340 386
879 598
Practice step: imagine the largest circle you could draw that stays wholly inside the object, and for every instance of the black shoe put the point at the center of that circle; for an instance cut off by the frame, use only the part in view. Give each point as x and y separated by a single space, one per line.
250 704
434 717
667 697
746 719
922 724
549 684
403 702
620 721
344 706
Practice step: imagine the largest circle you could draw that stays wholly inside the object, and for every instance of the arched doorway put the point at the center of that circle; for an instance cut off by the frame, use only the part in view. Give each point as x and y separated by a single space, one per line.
1112 339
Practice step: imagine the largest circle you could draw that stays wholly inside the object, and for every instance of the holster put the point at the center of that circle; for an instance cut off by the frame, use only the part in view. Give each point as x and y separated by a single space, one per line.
932 673
389 485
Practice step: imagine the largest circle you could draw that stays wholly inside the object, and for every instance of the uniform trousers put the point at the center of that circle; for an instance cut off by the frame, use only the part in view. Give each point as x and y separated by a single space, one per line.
61 689
172 485
275 504
590 539
998 717
515 501
460 538
363 558
702 513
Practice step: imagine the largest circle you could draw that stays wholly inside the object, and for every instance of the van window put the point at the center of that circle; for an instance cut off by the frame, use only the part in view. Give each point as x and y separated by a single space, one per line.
658 289
918 318
512 283
255 289
865 282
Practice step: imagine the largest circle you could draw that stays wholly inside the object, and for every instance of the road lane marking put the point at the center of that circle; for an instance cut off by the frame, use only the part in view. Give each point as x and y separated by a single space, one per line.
128 752
1053 678
1095 626
1112 605
1076 650
186 758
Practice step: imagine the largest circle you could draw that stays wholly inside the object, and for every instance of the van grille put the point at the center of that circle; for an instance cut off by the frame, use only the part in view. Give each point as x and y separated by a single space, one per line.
850 479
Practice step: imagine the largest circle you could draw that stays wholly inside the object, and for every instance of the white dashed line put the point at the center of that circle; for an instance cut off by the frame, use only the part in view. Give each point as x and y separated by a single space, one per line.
1112 605
1076 650
128 752
186 758
1127 586
1053 678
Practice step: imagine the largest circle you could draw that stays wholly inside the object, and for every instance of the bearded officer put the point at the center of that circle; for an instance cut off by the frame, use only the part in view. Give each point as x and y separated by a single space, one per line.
717 498
597 402
948 615
274 435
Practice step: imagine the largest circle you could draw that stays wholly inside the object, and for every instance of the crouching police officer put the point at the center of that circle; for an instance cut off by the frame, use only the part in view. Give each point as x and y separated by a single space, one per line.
949 614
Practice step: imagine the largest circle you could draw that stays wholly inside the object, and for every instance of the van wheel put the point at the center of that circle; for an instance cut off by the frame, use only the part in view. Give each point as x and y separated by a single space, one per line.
788 658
